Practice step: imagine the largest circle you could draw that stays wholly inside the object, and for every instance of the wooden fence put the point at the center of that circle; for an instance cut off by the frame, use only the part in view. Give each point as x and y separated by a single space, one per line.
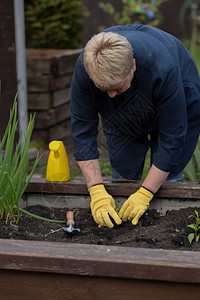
7 62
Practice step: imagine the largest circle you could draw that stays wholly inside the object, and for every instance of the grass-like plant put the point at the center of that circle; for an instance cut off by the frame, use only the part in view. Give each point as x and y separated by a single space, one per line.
14 170
195 226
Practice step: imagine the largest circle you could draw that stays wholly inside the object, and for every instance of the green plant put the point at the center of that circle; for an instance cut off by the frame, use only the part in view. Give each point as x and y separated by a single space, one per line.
105 167
195 226
147 164
196 51
192 170
189 8
135 12
117 209
55 24
37 144
14 170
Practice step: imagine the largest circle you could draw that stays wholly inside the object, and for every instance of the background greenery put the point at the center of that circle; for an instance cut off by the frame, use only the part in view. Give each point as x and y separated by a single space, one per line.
145 12
192 170
55 24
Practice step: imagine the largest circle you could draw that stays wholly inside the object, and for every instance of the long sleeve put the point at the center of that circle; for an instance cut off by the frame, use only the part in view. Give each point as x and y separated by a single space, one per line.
84 116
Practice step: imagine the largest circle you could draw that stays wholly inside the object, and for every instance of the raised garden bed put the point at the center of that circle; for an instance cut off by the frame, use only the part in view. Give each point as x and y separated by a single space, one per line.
72 269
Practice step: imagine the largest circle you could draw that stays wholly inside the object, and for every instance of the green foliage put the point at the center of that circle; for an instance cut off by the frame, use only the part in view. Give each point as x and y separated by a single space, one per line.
195 226
196 52
75 172
135 12
55 24
37 144
105 169
14 170
192 170
147 164
196 57
117 209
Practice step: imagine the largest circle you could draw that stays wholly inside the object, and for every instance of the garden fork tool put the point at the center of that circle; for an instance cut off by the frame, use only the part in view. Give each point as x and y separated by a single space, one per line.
70 224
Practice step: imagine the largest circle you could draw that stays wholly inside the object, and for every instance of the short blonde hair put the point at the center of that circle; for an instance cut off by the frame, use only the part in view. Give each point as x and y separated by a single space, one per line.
108 58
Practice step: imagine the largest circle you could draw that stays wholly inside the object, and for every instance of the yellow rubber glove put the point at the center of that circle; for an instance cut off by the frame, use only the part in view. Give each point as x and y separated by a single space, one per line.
102 205
135 206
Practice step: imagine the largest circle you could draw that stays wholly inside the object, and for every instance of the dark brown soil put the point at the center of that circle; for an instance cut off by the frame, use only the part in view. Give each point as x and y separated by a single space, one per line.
153 231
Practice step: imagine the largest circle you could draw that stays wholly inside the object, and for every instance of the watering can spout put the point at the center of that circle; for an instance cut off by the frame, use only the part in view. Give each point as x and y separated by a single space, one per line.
57 166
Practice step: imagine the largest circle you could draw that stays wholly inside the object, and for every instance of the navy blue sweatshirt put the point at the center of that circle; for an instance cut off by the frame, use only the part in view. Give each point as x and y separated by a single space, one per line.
164 97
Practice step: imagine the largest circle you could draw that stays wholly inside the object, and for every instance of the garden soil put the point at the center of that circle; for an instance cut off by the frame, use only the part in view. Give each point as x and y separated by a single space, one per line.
153 230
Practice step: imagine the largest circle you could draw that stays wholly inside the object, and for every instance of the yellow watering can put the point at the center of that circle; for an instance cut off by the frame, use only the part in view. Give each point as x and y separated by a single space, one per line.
57 166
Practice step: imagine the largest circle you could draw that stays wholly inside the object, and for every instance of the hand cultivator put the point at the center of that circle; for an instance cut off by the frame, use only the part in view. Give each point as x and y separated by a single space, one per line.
70 224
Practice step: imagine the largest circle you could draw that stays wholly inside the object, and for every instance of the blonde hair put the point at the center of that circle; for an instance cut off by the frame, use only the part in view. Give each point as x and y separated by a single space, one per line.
108 58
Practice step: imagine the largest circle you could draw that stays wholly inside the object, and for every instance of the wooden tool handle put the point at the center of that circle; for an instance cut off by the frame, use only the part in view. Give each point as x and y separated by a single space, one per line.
70 217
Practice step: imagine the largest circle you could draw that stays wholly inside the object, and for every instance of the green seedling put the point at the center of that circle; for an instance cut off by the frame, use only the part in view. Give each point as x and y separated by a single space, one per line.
117 209
195 226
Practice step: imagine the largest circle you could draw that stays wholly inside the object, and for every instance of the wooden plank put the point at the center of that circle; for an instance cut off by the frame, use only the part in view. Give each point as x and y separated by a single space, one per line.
41 135
49 61
61 97
59 131
37 66
33 285
39 101
52 127
100 261
40 83
115 188
44 53
52 117
47 83
64 63
44 119
61 82
39 61
62 112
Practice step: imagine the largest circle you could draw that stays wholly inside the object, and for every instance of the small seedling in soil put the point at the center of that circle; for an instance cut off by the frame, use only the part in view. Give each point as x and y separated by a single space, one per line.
117 209
195 226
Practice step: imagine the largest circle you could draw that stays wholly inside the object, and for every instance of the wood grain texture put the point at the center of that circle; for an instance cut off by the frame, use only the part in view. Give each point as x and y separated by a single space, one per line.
42 286
100 261
115 188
